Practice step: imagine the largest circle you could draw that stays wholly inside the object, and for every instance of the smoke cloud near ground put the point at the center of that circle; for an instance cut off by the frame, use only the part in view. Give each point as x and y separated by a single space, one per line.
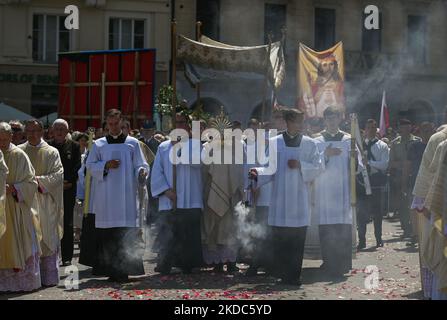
248 231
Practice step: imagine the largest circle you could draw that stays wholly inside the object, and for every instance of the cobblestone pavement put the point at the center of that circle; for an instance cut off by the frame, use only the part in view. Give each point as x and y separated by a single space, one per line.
397 264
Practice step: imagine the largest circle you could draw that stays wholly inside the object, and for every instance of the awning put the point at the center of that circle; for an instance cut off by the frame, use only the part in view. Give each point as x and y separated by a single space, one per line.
209 59
8 113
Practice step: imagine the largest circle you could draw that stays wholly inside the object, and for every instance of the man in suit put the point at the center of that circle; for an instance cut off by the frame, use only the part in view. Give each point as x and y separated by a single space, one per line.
70 154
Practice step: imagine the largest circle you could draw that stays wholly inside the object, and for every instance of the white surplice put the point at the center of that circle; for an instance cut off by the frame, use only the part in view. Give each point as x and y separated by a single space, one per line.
115 197
289 206
189 188
332 186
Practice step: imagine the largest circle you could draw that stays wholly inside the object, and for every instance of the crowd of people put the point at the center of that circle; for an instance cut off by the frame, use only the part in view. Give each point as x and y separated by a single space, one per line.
55 191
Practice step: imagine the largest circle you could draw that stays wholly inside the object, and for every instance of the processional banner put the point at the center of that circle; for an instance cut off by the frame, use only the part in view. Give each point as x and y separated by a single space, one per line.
321 80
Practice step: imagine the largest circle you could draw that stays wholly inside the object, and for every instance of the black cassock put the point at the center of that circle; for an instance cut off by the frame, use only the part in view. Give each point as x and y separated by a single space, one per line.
113 252
179 239
120 252
336 247
88 245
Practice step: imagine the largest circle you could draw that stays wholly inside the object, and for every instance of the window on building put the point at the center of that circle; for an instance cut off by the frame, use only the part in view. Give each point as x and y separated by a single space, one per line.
372 39
416 39
208 12
49 37
275 16
324 28
126 33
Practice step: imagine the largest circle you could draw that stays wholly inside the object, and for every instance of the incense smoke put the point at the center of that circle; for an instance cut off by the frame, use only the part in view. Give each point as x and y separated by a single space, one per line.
249 232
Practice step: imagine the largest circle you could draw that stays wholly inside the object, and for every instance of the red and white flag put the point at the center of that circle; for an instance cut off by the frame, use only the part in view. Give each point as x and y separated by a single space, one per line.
384 117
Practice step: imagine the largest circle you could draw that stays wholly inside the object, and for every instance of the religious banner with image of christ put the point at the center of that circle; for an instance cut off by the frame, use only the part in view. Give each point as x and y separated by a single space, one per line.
321 80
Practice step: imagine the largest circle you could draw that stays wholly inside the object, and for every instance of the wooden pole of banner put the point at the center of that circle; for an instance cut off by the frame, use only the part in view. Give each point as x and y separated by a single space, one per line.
135 89
72 92
103 97
88 176
266 77
353 159
103 89
198 38
174 63
89 92
174 102
297 97
353 156
173 7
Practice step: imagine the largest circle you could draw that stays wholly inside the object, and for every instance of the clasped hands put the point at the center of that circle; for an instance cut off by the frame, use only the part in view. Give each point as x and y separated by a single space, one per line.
330 152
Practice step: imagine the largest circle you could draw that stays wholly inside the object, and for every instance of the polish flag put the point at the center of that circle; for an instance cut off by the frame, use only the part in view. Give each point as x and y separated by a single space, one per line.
384 117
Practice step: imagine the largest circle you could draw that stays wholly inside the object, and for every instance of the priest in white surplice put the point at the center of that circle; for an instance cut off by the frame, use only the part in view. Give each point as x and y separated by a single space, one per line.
297 163
332 196
117 165
179 235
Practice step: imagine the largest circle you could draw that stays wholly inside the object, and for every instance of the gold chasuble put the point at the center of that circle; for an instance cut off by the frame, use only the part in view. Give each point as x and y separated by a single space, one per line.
50 197
21 215
434 245
3 173
425 174
223 189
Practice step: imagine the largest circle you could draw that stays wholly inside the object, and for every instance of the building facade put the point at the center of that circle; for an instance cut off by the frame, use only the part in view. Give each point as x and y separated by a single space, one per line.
405 57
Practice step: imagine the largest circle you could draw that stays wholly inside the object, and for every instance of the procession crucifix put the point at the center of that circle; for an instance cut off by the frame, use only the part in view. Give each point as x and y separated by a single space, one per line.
88 176
198 38
266 76
353 172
